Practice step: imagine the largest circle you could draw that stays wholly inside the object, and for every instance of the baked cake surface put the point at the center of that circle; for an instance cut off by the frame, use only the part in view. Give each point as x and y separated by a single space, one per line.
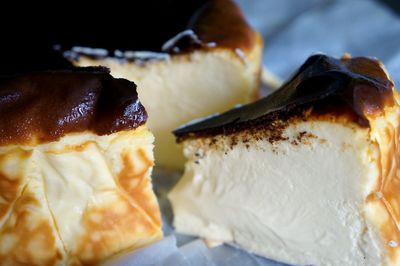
307 175
75 163
189 61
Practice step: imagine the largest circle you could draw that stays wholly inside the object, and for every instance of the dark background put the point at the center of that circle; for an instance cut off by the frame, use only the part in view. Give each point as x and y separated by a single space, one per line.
112 25
26 29
395 4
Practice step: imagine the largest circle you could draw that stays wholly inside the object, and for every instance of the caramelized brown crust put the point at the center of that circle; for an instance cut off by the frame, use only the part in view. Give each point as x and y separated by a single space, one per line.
44 106
217 24
184 25
354 89
222 22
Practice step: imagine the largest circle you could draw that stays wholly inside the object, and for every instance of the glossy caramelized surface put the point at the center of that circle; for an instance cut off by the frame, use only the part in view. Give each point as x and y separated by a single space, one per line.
218 23
350 89
44 106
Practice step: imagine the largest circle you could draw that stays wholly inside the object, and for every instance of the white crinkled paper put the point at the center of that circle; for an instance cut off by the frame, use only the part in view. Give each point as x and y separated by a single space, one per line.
293 29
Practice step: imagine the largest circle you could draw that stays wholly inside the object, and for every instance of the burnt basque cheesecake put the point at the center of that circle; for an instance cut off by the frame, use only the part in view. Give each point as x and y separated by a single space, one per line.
189 59
308 175
75 163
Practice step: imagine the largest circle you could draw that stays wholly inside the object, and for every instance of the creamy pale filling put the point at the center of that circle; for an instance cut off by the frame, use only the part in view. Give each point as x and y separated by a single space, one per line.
299 200
186 87
94 192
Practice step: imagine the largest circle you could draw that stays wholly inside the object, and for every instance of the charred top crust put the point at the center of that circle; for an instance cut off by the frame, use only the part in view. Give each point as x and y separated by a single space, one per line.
218 23
43 106
357 88
156 27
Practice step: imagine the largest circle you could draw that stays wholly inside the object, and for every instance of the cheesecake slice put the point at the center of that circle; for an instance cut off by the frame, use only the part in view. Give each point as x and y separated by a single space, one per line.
308 175
189 59
75 163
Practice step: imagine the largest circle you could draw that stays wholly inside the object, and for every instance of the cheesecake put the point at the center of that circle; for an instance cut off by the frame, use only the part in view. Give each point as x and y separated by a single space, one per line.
308 175
75 164
189 59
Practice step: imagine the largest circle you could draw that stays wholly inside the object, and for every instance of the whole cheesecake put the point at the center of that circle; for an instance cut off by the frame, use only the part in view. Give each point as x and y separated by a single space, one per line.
308 175
189 59
75 163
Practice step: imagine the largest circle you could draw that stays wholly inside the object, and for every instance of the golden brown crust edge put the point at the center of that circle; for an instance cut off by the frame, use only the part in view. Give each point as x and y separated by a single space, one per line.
128 220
